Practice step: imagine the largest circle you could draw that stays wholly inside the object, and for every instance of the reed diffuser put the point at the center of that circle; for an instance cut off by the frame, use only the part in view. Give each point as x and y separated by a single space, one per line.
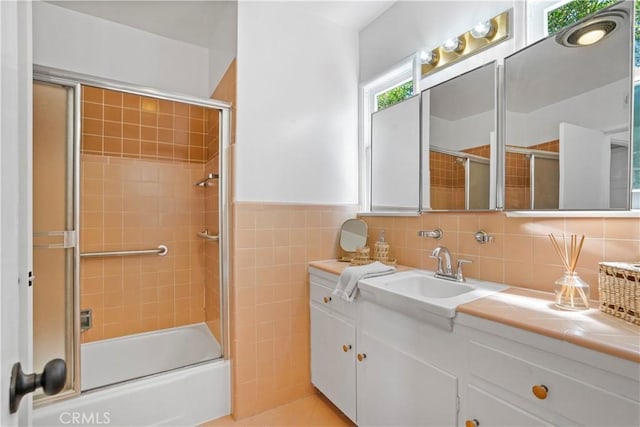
571 291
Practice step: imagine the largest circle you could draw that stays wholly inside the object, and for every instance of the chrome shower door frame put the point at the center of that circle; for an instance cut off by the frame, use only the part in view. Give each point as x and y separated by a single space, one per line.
70 238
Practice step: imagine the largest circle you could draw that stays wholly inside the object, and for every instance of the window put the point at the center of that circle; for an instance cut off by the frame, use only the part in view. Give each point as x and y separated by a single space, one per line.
394 95
566 13
387 89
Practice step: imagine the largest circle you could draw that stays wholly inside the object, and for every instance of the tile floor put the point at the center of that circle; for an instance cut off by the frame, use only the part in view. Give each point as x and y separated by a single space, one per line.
314 410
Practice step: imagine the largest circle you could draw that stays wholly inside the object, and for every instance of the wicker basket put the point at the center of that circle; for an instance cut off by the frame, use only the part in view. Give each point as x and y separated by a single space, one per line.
619 286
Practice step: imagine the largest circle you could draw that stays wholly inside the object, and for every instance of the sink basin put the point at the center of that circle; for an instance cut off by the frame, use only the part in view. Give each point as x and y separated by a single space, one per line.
419 293
428 286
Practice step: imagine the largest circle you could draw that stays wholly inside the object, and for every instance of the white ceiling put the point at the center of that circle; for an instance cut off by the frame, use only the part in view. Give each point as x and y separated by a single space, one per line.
192 21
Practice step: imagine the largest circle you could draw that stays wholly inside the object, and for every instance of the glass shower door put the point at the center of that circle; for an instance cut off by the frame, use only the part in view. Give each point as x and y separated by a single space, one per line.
55 262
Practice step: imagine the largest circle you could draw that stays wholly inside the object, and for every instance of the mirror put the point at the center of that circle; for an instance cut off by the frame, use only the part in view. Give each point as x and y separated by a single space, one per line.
395 157
567 118
459 142
353 235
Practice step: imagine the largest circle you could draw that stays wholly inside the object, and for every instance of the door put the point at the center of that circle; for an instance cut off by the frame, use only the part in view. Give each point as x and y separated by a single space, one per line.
15 203
55 223
585 160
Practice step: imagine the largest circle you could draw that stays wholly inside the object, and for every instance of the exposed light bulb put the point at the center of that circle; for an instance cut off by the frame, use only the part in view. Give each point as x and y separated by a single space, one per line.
482 30
428 57
453 45
591 37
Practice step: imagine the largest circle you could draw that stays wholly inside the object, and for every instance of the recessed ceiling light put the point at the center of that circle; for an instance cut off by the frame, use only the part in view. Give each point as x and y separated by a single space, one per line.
591 31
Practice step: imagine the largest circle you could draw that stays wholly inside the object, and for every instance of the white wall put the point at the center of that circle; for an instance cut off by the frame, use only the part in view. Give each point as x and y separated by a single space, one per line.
297 106
459 135
222 44
409 26
584 110
82 43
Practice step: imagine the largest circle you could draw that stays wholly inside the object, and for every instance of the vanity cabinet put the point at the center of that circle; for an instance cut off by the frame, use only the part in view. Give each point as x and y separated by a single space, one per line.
333 343
519 378
364 359
396 388
385 365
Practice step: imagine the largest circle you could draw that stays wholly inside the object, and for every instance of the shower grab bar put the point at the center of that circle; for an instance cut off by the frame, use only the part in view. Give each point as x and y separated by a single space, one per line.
161 251
205 235
203 182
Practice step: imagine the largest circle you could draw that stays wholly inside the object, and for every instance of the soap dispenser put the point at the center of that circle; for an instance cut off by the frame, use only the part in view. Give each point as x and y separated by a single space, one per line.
381 249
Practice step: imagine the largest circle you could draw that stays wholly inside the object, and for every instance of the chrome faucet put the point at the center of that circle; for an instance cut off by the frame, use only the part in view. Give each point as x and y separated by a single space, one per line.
444 270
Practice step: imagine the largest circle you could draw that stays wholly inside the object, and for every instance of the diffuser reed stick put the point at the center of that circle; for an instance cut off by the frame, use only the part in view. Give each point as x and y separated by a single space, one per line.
571 286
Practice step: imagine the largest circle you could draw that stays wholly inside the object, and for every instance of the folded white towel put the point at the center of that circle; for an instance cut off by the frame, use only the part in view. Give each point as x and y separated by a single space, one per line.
348 281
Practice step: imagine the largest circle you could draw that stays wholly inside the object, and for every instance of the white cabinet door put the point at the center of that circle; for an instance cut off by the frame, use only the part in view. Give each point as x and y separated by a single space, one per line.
333 370
397 389
484 409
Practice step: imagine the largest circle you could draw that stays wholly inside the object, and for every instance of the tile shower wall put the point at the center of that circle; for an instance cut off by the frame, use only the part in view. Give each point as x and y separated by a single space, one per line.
518 175
126 125
140 158
270 299
225 91
447 181
521 254
141 204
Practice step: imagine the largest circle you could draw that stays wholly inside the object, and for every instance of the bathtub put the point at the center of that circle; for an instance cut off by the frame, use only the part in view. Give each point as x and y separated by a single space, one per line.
183 395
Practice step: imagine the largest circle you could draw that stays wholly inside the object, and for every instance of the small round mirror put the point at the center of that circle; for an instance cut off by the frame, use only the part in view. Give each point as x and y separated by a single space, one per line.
353 235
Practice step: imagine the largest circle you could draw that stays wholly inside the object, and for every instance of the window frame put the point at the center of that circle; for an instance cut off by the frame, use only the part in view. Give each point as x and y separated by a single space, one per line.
405 71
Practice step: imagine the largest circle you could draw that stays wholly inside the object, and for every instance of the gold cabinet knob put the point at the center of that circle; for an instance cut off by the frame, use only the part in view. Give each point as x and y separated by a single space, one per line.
540 391
361 357
326 300
346 347
472 423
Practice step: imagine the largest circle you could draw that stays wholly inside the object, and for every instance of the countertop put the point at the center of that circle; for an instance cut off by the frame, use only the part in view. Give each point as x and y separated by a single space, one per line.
535 311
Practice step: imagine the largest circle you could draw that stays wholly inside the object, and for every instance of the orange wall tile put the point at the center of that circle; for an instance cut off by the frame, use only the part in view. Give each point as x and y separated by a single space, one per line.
139 204
521 254
127 125
270 299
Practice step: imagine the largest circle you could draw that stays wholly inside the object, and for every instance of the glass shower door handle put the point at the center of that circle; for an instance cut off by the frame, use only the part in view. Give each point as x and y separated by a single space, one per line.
52 380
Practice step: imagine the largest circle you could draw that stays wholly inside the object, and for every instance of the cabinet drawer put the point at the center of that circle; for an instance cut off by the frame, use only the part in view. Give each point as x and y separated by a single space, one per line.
322 295
488 410
568 397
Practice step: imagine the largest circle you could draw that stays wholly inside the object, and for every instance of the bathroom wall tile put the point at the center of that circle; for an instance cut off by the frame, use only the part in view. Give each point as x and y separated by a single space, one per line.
112 114
522 253
273 245
124 212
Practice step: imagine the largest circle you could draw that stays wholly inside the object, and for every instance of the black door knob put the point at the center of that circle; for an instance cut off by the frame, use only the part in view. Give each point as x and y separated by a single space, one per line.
52 380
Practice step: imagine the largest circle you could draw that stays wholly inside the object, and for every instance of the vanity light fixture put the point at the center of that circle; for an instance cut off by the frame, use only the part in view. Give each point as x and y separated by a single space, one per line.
456 45
483 35
590 31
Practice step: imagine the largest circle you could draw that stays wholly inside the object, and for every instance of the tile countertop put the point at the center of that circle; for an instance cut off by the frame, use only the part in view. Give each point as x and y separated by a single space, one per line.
535 311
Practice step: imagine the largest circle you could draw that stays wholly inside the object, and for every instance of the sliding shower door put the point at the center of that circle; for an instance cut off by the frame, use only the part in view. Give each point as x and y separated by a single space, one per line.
55 266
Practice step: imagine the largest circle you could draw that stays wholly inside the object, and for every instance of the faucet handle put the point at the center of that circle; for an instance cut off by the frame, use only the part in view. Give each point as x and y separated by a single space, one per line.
459 274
